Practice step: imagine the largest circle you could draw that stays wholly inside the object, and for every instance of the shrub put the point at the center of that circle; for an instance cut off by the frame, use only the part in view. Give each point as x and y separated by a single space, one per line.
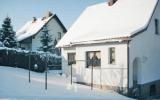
20 59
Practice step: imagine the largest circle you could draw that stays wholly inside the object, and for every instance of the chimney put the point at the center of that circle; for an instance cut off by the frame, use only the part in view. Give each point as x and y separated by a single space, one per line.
111 2
43 18
50 14
34 19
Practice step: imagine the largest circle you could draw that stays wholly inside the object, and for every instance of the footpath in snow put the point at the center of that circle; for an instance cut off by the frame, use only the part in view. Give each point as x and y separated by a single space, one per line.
14 85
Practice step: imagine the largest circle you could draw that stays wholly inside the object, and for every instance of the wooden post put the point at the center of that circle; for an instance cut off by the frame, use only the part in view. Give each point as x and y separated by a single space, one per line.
71 74
29 66
46 73
94 59
101 76
92 76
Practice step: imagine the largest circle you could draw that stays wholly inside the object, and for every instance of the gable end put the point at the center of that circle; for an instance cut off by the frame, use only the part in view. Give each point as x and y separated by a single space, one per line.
143 30
60 23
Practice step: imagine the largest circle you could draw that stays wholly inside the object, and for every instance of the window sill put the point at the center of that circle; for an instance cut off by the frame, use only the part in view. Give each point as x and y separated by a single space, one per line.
112 64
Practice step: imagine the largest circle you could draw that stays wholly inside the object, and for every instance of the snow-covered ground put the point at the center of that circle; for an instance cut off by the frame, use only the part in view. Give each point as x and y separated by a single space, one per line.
14 85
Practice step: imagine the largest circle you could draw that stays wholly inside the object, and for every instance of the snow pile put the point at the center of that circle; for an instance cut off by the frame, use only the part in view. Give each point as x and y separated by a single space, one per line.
31 28
14 85
100 21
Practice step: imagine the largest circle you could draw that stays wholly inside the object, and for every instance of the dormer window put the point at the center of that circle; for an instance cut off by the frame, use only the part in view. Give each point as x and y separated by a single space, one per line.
157 27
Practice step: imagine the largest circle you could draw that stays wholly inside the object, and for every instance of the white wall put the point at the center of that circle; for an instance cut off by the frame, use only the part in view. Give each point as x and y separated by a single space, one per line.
65 67
53 28
113 75
146 46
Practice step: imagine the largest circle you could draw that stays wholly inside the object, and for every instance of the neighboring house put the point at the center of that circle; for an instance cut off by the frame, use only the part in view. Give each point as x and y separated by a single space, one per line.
29 35
123 38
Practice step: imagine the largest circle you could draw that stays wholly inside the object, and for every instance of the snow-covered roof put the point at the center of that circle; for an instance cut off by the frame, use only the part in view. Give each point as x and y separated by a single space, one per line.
31 28
100 21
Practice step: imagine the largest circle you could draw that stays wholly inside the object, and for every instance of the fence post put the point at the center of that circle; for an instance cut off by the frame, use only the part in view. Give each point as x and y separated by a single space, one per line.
46 73
94 61
71 74
92 76
29 66
101 76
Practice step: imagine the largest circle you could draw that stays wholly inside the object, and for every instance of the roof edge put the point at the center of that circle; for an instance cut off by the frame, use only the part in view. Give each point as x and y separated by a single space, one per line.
61 24
109 40
38 30
57 19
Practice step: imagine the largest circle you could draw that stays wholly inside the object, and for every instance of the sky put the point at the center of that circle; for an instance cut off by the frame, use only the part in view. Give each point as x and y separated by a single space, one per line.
21 11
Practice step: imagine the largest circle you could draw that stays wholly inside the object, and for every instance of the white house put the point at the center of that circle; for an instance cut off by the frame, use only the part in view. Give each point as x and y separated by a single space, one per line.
123 37
29 35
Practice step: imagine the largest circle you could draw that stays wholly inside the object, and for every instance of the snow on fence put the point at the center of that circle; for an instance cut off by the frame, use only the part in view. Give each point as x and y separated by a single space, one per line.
20 58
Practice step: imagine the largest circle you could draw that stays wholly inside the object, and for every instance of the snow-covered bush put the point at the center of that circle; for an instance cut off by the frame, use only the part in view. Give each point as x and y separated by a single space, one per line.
22 59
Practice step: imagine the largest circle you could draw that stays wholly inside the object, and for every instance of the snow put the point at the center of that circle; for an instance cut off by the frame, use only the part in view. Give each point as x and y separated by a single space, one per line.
1 44
14 85
100 21
31 28
15 49
42 53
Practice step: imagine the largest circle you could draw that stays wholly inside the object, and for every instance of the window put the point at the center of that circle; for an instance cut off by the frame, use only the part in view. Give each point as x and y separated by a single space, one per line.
112 55
152 89
93 58
71 58
59 35
156 26
23 48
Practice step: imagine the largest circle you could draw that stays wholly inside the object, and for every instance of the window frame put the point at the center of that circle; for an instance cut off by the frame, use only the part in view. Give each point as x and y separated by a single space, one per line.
152 90
87 60
59 35
68 58
111 57
156 26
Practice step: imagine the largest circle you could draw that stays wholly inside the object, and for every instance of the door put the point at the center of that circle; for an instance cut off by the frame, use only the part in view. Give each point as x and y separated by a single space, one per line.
136 75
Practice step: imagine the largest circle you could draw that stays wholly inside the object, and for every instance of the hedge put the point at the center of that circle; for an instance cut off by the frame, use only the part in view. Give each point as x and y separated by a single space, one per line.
20 59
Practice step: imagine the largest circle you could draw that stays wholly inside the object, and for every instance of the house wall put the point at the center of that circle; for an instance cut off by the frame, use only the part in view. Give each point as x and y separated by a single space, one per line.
109 75
26 44
65 67
146 47
53 28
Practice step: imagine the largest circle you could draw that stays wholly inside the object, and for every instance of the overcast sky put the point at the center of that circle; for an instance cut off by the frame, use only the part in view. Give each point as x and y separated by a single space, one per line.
22 11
